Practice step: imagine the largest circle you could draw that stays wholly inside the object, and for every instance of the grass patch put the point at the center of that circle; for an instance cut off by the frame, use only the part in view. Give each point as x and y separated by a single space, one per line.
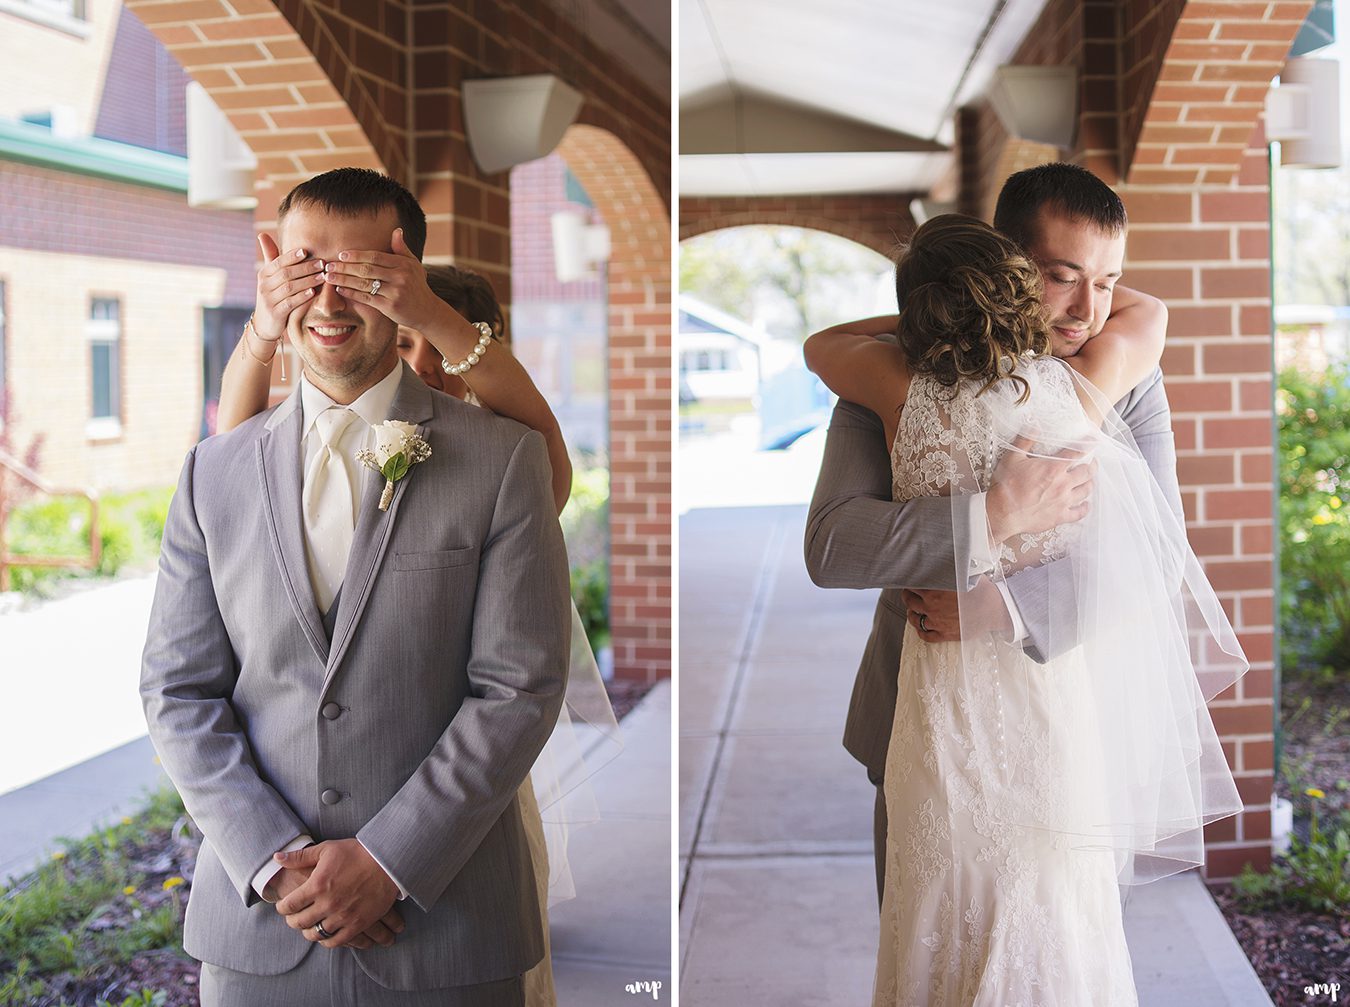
130 528
94 906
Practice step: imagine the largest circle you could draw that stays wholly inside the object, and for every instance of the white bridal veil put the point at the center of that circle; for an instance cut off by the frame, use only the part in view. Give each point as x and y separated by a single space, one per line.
1099 728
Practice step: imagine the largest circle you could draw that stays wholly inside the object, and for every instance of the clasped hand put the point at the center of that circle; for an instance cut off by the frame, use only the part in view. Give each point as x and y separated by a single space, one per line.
338 884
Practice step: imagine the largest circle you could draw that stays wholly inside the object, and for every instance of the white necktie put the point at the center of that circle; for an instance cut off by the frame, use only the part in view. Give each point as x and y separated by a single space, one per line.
326 503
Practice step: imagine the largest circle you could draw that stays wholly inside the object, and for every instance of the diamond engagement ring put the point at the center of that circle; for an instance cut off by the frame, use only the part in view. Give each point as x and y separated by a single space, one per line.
318 927
374 288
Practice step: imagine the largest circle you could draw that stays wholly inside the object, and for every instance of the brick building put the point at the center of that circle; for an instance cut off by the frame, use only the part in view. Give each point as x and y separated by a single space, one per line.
1170 98
107 277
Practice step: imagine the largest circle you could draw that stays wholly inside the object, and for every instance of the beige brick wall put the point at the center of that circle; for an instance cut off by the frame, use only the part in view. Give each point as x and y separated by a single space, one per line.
30 51
47 305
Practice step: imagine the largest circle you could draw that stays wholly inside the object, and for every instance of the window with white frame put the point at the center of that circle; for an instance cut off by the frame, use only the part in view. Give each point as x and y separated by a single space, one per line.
71 16
103 332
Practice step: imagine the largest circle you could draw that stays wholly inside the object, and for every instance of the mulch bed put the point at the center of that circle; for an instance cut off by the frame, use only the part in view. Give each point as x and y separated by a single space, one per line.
624 695
1292 948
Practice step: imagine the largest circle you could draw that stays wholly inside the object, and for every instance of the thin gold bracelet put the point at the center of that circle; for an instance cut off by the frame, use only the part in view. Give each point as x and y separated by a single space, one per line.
248 327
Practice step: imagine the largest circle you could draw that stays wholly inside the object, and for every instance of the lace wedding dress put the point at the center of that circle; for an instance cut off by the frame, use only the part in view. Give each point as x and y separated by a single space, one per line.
989 900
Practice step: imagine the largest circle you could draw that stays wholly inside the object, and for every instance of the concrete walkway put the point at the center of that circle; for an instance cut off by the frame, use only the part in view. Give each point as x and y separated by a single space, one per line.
778 897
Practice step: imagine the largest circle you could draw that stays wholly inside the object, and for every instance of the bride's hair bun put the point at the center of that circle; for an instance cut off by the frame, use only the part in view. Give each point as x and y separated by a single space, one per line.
970 302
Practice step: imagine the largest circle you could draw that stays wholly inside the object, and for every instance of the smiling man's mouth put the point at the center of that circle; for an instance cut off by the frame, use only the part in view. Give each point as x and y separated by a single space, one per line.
330 335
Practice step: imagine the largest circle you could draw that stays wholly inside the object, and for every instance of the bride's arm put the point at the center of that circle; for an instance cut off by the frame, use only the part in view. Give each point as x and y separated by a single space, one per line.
1128 348
247 380
857 366
504 386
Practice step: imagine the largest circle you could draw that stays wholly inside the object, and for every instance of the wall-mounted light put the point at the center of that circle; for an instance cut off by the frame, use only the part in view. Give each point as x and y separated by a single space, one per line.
1037 103
220 164
1304 113
511 120
578 247
924 210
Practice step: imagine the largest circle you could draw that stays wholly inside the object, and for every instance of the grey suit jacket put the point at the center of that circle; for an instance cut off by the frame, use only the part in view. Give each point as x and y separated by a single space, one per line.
421 716
856 537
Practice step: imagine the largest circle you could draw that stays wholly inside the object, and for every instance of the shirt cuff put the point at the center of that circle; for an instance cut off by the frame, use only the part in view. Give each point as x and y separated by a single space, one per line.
402 892
270 869
981 548
1019 627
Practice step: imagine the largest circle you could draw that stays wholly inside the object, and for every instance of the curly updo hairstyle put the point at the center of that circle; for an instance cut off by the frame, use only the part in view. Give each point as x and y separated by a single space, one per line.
970 303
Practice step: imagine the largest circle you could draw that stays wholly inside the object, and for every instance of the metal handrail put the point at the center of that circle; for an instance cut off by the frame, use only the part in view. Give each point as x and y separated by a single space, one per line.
8 559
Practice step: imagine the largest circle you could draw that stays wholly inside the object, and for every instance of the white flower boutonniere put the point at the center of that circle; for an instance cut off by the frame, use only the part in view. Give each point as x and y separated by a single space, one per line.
398 447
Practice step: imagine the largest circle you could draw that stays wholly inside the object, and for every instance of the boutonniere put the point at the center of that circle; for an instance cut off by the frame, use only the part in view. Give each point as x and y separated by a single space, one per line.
398 447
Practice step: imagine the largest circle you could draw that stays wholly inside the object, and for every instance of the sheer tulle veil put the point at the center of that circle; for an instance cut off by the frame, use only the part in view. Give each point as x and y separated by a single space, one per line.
1100 730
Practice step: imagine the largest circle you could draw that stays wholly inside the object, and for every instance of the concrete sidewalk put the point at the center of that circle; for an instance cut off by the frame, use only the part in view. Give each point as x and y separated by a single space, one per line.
615 932
778 895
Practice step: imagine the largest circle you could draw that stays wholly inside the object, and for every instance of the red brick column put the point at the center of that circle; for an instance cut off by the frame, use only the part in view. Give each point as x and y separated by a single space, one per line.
639 398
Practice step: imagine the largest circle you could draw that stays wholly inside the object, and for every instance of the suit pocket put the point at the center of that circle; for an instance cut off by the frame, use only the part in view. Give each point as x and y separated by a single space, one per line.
437 560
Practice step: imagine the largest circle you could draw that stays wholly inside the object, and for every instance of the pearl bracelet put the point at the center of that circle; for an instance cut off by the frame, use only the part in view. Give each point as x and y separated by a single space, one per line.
476 354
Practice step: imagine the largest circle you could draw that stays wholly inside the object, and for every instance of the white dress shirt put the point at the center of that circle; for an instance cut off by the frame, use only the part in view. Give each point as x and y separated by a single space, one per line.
372 407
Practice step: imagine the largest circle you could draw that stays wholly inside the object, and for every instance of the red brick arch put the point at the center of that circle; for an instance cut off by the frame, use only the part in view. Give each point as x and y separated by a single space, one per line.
875 222
639 395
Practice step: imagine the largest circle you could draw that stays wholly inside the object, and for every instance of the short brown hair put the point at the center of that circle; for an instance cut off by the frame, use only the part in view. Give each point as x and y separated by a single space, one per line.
349 192
1064 188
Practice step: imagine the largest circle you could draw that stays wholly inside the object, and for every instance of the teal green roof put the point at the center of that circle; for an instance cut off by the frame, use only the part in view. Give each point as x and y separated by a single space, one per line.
90 155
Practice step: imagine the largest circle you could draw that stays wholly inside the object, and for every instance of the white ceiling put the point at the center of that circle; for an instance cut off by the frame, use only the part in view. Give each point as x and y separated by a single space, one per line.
902 67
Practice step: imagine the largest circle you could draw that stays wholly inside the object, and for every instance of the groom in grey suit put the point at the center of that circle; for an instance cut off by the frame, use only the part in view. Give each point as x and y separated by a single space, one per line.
1073 226
364 688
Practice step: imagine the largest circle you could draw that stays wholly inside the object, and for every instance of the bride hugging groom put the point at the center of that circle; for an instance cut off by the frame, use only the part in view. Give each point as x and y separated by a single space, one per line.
1031 701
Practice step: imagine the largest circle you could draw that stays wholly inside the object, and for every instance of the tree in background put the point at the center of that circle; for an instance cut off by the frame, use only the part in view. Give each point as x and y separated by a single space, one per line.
794 280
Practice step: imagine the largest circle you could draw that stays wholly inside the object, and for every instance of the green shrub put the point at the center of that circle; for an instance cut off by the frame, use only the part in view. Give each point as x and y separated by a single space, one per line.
1314 875
130 528
590 591
1314 520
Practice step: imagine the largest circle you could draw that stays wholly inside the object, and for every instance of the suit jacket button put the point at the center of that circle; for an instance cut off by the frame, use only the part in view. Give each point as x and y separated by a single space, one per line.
331 711
330 796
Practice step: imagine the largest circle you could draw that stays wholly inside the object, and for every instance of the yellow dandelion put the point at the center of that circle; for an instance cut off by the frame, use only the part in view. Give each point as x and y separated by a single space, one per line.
171 883
126 821
1315 793
129 890
58 855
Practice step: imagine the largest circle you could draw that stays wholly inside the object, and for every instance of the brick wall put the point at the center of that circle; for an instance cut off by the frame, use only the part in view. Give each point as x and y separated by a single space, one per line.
1175 126
144 93
44 66
879 222
43 209
48 365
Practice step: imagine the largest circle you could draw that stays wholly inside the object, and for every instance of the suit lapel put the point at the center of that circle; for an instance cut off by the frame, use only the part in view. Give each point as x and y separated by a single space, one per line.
374 527
280 476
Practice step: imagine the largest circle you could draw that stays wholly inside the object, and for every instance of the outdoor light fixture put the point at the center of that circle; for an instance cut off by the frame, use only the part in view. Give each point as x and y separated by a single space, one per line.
220 164
1304 114
578 247
1037 103
511 120
924 210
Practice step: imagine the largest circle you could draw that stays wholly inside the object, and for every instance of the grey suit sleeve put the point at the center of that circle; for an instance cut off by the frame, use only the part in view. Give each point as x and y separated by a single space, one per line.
188 673
1149 418
857 537
517 673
